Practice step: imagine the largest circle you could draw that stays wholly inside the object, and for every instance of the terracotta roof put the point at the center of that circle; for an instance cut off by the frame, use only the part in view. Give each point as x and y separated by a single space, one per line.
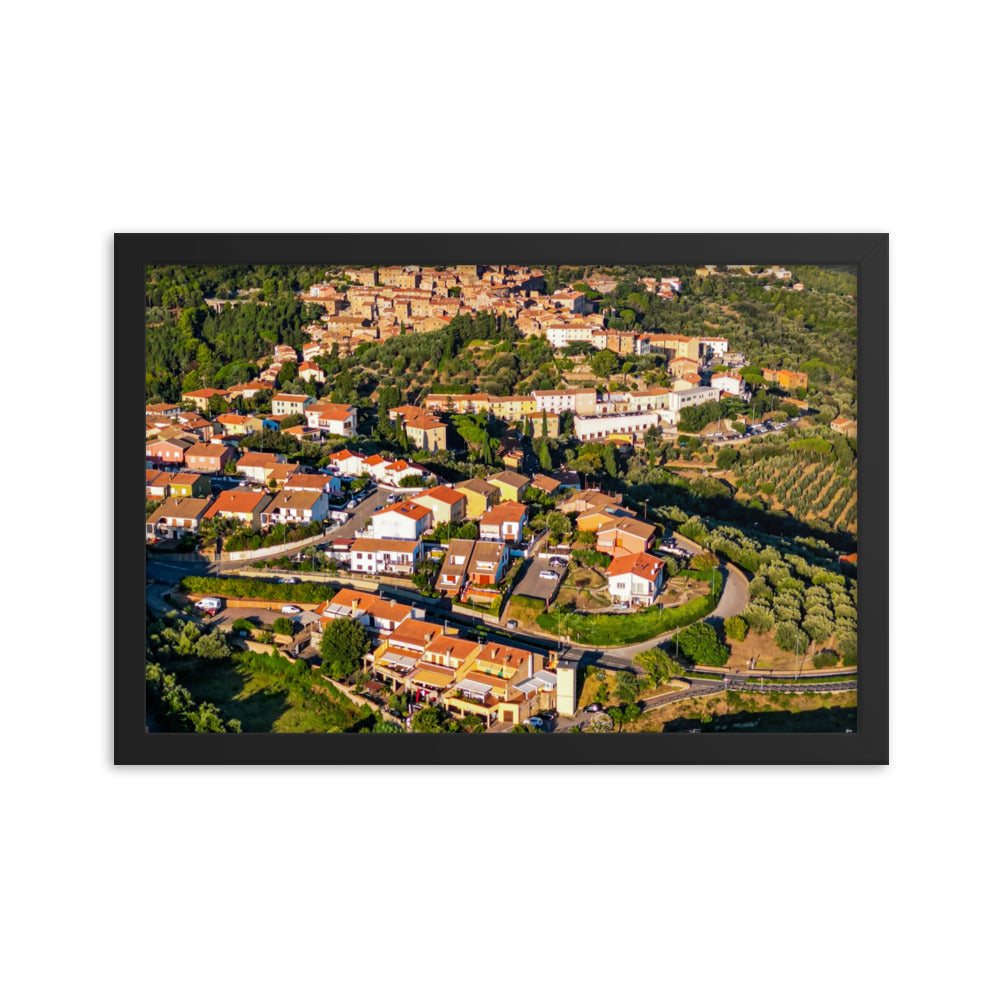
407 508
238 501
504 512
185 507
638 563
628 526
208 450
445 494
416 631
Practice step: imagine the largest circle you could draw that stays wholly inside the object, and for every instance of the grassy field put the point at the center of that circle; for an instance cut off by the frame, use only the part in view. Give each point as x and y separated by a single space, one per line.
266 700
605 631
768 712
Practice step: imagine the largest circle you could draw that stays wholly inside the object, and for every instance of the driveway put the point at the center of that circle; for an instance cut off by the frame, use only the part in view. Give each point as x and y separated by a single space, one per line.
361 513
532 585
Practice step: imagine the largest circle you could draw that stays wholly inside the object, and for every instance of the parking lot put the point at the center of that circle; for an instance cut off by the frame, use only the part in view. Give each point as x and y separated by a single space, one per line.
532 584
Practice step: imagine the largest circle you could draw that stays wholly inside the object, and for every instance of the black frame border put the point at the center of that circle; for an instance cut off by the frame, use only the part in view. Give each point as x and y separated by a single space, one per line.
869 745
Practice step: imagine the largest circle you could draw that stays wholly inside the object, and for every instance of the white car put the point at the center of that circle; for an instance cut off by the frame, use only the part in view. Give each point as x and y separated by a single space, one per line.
209 604
547 574
290 609
289 579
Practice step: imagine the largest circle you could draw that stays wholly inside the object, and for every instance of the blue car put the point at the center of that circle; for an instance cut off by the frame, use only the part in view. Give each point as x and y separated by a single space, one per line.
535 722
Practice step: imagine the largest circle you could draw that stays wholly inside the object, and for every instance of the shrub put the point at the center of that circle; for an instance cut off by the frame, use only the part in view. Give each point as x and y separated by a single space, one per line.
825 658
736 628
700 644
283 626
243 625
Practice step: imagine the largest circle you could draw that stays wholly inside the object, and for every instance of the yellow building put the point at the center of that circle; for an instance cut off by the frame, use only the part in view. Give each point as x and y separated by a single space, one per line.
479 495
511 485
426 433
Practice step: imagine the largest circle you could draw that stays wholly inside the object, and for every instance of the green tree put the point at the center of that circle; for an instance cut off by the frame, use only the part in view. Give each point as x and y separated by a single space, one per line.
626 686
343 646
701 645
736 628
604 364
430 720
211 646
283 626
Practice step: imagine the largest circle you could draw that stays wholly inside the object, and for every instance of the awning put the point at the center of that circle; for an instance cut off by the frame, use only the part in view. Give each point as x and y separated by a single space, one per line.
474 687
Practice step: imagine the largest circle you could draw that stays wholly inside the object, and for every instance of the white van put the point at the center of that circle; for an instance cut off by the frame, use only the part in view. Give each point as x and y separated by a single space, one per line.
209 604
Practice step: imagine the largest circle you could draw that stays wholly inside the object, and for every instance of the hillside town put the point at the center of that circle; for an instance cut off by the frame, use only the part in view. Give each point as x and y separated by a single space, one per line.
504 507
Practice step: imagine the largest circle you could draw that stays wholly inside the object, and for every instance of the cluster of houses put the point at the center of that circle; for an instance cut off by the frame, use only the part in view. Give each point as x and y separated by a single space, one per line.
435 664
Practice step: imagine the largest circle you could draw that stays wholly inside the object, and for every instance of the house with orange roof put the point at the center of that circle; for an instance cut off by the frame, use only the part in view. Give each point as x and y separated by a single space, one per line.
320 481
376 614
426 432
333 418
311 372
163 409
209 457
635 578
624 535
199 398
157 484
444 503
347 463
175 517
248 389
786 379
295 507
504 523
168 451
190 484
844 425
406 519
240 505
234 424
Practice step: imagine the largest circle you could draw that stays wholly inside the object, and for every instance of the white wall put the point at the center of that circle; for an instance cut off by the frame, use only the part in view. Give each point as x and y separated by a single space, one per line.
883 875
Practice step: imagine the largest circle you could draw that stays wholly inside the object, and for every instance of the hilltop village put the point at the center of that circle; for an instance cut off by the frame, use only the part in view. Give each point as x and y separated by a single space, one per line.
286 458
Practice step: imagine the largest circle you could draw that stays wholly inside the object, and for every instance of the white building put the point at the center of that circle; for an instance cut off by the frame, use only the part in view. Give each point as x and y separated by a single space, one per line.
406 520
347 463
296 507
731 382
635 578
712 345
596 428
693 397
285 404
384 556
332 418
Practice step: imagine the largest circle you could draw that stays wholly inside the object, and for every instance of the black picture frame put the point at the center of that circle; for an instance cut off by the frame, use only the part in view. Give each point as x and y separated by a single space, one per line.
868 745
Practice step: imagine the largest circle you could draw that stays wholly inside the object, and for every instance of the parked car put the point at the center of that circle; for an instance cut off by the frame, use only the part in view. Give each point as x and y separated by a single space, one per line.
512 623
535 722
210 604
594 706
547 715
289 579
547 574
351 504
290 609
557 562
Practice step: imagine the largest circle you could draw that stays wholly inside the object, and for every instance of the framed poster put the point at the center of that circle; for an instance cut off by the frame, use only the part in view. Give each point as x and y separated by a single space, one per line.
611 500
